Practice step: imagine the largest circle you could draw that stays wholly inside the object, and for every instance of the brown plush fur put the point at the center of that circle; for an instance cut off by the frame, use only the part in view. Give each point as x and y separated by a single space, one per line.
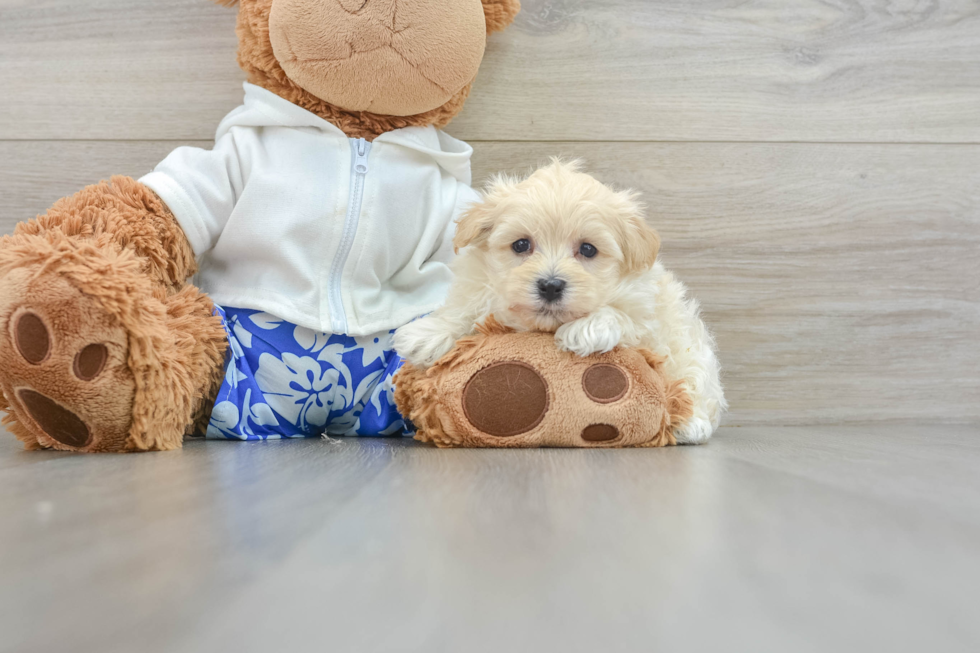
645 416
257 59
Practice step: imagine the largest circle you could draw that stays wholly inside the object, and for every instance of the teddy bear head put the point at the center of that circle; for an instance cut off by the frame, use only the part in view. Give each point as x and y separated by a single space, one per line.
369 66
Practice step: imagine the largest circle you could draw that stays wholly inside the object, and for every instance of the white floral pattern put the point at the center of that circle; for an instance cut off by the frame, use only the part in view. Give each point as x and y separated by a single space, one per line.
284 380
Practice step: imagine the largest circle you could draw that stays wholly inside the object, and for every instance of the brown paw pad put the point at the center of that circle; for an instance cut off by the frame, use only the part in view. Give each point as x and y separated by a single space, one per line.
506 399
90 361
31 338
57 422
600 433
604 383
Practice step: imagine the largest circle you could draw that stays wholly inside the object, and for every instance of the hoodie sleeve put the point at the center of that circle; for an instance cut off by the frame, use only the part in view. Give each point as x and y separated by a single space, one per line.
200 187
465 198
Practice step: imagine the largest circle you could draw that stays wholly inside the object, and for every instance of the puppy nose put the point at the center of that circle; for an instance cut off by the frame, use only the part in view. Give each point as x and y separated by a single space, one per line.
551 289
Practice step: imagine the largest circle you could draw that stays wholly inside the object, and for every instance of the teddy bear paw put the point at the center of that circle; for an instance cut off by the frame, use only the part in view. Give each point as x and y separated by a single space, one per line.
63 365
520 390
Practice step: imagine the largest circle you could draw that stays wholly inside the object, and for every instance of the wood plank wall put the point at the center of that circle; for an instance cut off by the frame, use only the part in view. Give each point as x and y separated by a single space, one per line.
813 166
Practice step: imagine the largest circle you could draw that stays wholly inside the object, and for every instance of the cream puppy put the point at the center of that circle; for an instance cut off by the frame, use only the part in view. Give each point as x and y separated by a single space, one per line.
561 252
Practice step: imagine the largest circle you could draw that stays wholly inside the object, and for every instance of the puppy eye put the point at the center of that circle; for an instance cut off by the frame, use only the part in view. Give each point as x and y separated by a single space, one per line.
522 246
588 250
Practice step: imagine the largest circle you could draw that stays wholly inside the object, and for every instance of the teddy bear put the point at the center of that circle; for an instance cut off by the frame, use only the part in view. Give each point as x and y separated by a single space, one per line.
503 388
321 220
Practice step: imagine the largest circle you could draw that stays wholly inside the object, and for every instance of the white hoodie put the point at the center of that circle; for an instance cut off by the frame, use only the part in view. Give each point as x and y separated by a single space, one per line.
289 216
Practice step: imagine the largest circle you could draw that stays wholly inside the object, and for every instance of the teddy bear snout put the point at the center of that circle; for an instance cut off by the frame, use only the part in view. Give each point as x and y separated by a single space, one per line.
397 59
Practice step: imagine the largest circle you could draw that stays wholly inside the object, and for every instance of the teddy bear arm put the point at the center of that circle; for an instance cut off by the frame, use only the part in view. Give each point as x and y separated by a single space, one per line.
127 214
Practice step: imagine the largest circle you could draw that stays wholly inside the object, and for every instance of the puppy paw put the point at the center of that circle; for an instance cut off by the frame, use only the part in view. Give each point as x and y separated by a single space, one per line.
696 430
424 341
593 334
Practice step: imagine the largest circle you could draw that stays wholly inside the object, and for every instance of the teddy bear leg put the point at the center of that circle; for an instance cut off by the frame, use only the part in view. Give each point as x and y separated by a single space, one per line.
102 347
198 367
79 375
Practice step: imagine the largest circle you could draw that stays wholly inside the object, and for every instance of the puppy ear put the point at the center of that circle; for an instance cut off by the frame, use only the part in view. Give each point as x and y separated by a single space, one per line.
500 13
640 242
474 227
643 247
227 3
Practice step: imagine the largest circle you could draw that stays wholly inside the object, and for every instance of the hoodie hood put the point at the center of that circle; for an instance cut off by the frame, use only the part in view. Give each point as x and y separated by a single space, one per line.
263 108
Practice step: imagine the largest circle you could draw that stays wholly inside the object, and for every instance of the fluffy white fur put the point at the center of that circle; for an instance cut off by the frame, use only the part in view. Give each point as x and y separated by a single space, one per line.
620 296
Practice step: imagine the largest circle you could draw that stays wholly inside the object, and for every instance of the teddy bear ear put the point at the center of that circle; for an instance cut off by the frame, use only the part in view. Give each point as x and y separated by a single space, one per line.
500 13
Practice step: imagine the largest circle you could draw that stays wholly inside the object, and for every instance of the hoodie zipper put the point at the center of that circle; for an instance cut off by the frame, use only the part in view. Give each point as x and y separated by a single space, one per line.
360 149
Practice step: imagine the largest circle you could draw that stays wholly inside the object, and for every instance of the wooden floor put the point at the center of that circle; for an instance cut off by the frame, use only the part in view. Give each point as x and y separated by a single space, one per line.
766 539
813 167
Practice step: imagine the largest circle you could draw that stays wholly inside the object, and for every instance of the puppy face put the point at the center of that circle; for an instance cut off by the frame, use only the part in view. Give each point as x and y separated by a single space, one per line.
556 245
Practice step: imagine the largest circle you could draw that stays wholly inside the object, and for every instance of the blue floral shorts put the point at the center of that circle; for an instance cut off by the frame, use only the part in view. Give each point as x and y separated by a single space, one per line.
286 381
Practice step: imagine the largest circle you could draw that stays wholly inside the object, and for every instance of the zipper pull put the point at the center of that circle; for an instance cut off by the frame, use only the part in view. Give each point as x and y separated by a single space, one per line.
361 160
